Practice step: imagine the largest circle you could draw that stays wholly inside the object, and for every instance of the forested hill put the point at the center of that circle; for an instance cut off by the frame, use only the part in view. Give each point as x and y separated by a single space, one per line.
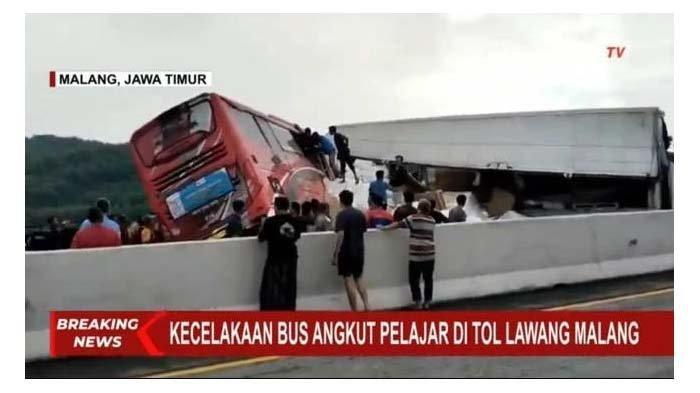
64 176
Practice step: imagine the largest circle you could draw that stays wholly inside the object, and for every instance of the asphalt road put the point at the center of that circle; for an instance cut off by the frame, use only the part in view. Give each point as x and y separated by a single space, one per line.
648 292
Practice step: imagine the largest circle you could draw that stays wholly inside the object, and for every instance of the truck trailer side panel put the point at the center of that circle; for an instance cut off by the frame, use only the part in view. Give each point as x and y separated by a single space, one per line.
608 142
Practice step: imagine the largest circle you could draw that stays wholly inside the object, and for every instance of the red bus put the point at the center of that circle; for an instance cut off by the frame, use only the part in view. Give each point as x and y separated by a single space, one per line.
196 158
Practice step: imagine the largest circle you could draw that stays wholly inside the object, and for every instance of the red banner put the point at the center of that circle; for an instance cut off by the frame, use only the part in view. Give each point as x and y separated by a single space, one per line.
331 333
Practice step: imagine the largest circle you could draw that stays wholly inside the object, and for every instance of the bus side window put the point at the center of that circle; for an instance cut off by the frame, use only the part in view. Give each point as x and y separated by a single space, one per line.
285 139
246 123
269 135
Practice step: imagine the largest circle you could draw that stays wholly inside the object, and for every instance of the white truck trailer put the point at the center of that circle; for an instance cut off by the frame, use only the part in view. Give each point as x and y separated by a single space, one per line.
612 158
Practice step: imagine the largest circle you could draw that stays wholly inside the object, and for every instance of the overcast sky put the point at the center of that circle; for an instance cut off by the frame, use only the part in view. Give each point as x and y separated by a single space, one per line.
318 70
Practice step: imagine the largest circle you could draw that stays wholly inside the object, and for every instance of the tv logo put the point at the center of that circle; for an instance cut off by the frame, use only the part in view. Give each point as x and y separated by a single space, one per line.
617 51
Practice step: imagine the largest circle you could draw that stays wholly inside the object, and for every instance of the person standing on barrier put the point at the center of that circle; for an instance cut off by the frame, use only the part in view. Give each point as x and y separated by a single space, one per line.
278 290
421 251
349 254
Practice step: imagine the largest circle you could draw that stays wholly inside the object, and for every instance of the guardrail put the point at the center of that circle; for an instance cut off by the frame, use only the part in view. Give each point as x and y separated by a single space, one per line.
471 260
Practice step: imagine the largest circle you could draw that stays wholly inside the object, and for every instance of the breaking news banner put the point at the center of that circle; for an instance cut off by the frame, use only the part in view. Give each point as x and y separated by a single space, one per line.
332 333
129 79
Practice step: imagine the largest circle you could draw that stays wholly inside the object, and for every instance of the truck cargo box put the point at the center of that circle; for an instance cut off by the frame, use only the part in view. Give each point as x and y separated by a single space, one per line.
617 141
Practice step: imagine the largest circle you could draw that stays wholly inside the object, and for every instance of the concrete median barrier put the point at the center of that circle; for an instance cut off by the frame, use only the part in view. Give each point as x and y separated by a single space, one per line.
472 260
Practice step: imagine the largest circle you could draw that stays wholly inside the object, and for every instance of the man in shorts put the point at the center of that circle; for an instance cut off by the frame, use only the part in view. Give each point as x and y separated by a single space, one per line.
349 254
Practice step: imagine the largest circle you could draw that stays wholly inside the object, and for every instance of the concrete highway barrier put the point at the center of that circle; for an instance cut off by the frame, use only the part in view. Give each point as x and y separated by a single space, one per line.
472 260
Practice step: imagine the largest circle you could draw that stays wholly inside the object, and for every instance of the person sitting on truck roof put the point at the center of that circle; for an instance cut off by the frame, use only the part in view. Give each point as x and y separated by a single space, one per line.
342 144
457 213
97 234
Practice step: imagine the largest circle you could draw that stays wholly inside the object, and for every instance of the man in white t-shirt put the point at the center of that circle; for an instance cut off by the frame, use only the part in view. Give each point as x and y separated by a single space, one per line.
103 205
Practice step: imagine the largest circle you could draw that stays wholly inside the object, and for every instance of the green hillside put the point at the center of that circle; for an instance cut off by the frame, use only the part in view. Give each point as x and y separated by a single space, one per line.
64 176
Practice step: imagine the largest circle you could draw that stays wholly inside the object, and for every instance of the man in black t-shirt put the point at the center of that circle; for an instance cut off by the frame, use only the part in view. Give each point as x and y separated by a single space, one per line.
401 180
407 208
278 290
349 254
436 214
342 145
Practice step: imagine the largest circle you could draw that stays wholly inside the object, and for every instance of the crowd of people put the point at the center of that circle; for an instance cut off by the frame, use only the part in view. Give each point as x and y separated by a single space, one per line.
329 150
100 228
281 231
292 218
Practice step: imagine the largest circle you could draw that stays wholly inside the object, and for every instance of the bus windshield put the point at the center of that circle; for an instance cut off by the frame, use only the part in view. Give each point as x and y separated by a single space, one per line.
175 131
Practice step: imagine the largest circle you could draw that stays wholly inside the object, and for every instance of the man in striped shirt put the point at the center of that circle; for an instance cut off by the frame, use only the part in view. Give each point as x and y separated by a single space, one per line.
421 251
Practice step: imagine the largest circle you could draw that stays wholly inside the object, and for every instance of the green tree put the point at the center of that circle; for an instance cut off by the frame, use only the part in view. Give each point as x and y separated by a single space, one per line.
64 177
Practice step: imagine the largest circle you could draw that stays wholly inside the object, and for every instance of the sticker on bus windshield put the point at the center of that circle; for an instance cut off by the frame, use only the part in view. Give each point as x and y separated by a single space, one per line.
199 192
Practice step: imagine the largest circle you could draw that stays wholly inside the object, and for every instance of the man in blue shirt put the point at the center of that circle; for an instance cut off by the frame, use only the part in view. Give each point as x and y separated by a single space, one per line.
378 187
327 147
103 205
